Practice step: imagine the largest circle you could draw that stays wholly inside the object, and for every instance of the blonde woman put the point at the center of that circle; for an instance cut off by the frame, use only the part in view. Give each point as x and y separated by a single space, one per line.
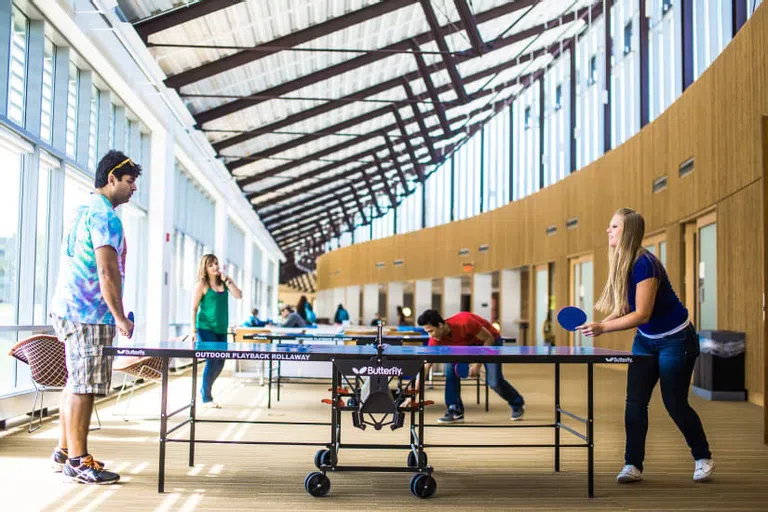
638 295
210 316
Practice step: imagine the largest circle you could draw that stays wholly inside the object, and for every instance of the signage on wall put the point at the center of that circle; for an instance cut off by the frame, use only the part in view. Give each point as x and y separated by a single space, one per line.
464 252
380 264
483 248
397 263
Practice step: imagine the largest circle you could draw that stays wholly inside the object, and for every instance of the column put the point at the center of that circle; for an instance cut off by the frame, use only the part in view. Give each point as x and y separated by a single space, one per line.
510 304
160 221
394 299
352 304
451 296
481 295
370 302
422 298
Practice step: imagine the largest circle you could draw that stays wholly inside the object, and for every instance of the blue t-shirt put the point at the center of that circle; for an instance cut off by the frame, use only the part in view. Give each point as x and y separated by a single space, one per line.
668 312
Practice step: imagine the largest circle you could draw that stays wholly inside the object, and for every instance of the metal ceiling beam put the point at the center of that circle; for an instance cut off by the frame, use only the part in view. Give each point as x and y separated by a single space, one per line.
333 226
387 186
427 79
183 14
420 119
306 214
396 163
352 64
277 220
344 211
422 74
345 145
359 204
293 39
470 26
303 223
372 195
450 64
408 146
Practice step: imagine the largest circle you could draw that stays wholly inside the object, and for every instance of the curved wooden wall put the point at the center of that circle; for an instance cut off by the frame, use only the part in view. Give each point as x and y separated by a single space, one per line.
718 121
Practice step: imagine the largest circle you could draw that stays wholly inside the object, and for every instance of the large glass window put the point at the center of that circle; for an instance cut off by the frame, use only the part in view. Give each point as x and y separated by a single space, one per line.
93 129
590 92
46 110
496 151
712 30
664 62
135 226
77 191
467 178
18 66
41 245
74 83
439 195
10 211
526 153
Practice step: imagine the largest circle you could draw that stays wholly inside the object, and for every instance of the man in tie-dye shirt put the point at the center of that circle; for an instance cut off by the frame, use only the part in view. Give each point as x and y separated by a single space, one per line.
87 309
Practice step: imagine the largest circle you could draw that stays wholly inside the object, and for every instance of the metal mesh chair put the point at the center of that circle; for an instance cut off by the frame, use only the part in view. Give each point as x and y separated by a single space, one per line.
148 368
45 356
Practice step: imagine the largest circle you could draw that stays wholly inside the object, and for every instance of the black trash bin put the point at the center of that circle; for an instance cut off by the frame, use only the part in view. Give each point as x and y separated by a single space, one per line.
719 371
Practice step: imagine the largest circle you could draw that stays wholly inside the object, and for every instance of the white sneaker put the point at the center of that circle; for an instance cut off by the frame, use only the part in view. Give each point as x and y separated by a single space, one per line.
211 405
704 469
629 474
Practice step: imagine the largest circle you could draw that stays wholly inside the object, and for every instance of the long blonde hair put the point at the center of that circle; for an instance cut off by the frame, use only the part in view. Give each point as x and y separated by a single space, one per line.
202 270
621 260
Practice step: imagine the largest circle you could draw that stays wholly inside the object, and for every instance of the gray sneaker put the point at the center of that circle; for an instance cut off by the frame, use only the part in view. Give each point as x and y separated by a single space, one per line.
517 413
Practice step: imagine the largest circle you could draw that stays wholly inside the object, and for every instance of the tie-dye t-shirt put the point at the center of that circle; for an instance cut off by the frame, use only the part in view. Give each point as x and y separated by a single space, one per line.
78 294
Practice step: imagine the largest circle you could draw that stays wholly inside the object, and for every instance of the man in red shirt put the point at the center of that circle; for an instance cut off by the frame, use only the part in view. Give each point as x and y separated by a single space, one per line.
468 329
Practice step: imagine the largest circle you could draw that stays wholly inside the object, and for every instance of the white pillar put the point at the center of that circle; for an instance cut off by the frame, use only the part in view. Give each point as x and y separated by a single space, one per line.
248 271
510 307
352 304
451 296
422 298
160 221
370 302
394 299
481 295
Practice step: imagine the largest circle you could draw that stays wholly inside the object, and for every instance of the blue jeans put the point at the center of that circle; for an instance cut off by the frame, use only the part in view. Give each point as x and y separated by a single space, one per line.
493 377
213 367
672 364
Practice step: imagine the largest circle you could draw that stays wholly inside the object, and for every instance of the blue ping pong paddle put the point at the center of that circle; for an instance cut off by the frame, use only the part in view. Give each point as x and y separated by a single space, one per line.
570 317
130 317
462 370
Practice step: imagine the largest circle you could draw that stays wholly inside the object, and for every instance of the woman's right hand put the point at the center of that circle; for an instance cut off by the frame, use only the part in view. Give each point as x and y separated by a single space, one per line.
193 336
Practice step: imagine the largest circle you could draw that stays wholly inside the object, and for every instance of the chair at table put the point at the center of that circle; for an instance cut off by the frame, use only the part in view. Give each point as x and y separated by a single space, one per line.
47 362
146 368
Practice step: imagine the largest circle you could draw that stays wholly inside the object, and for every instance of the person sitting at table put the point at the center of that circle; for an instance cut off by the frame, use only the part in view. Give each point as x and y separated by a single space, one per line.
376 318
291 318
254 320
341 315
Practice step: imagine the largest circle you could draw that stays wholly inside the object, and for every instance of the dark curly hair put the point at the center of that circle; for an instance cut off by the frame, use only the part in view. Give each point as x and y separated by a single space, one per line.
118 164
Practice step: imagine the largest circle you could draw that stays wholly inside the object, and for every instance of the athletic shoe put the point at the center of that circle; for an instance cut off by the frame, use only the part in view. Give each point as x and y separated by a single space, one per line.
704 469
211 405
59 460
517 413
629 474
452 416
89 472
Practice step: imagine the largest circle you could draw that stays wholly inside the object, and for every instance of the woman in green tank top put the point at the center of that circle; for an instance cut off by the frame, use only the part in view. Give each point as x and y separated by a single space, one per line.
210 316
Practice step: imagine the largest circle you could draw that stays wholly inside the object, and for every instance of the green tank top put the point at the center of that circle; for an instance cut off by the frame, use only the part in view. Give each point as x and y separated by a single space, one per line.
213 313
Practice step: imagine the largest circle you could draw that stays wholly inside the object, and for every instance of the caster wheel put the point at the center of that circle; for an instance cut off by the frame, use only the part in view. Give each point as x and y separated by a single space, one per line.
317 484
322 458
412 460
422 485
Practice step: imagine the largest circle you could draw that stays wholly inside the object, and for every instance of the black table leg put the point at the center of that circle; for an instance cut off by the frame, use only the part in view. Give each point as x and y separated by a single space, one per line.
163 426
558 417
590 430
192 414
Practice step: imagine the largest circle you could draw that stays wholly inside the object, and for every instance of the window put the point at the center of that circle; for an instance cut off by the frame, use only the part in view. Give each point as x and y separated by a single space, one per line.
592 70
18 66
527 122
76 192
135 226
41 245
93 129
628 38
74 81
10 210
112 116
46 110
558 97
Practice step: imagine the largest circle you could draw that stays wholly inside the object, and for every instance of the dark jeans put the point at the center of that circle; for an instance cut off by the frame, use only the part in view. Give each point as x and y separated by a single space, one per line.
672 364
493 377
213 367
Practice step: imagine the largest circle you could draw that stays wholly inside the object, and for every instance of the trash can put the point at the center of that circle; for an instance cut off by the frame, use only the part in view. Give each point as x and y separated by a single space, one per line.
719 371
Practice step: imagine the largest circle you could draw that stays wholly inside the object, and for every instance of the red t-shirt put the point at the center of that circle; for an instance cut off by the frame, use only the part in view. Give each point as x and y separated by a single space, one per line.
464 330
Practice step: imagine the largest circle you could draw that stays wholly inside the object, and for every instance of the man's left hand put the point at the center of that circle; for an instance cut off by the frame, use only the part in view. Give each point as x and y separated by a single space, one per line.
474 370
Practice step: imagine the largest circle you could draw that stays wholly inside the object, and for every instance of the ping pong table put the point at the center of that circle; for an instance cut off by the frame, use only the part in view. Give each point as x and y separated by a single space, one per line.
376 404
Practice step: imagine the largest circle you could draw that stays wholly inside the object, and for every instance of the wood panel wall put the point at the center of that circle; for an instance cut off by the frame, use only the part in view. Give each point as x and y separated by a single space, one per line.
717 121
